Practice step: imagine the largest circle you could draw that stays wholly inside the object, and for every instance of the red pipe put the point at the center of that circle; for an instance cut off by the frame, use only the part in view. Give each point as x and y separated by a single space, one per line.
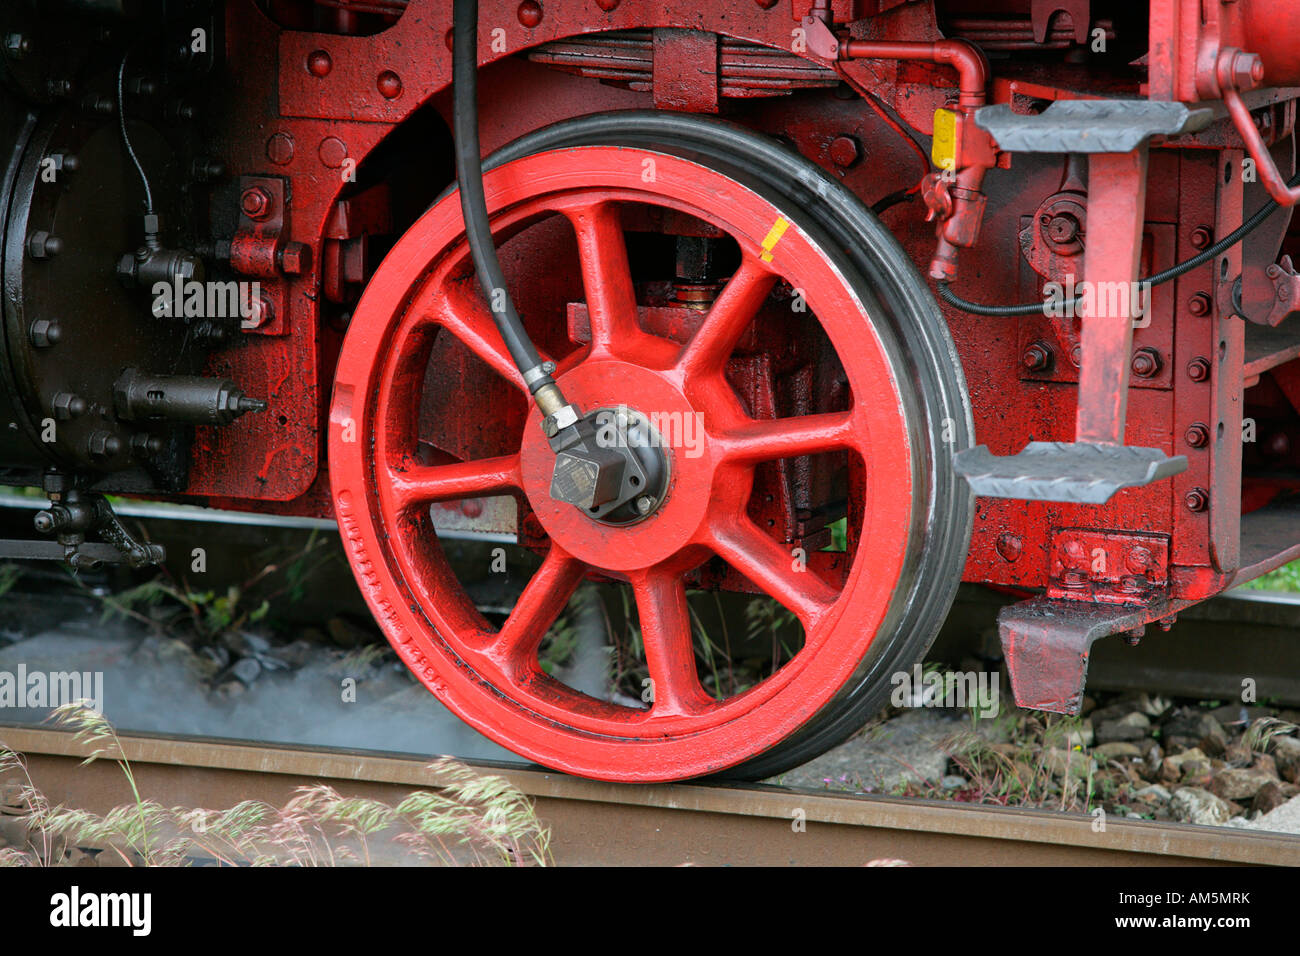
968 59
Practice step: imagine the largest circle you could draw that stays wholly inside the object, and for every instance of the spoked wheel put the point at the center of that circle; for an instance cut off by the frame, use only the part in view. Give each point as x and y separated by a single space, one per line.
903 416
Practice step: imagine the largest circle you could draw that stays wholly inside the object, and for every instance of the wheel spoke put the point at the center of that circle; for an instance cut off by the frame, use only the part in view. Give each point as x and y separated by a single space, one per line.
426 484
669 649
458 309
774 570
606 277
770 439
538 607
727 319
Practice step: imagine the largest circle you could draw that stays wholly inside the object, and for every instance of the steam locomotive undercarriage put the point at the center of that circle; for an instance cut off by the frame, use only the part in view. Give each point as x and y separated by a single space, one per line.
789 298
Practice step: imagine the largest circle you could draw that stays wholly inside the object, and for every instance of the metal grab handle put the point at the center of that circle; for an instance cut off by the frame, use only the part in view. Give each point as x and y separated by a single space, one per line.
1234 70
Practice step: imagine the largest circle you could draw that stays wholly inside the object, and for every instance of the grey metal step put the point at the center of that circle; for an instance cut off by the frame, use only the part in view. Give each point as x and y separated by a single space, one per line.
1075 472
1089 126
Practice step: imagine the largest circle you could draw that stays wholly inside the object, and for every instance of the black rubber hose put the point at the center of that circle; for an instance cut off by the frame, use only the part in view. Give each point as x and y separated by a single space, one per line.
473 204
893 199
1158 278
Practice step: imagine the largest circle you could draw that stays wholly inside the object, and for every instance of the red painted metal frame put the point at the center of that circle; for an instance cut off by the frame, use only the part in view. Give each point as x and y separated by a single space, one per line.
304 108
311 119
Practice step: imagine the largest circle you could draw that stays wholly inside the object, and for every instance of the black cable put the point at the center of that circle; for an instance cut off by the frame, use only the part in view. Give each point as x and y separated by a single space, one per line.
126 139
473 204
893 199
1158 278
978 308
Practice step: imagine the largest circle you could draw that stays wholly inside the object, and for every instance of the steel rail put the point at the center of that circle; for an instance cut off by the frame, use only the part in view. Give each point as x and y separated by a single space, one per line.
595 823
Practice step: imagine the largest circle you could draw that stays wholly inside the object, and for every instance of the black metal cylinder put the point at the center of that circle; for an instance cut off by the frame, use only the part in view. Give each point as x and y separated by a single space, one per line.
180 398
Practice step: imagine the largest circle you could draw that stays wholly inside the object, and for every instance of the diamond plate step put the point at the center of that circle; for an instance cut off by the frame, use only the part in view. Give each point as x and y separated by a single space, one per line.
1075 472
1089 126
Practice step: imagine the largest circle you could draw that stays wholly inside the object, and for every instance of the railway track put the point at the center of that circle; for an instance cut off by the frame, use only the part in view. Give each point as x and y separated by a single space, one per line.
594 823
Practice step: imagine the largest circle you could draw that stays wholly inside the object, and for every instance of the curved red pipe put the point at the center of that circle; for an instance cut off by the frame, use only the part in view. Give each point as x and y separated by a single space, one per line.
968 59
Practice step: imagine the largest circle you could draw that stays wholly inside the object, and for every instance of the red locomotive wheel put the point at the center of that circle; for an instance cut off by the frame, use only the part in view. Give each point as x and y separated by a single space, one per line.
383 490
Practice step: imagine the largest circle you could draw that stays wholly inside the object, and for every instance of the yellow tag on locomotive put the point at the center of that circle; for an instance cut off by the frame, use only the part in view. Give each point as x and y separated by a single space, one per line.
943 148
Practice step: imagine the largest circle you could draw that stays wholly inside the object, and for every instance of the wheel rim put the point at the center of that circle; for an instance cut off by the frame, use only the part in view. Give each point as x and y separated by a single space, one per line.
382 492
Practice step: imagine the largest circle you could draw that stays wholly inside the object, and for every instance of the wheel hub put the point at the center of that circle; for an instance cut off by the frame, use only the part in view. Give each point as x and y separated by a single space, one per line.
614 467
672 450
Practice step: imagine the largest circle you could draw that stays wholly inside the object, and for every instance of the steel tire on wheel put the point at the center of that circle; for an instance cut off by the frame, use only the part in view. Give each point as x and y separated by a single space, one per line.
896 351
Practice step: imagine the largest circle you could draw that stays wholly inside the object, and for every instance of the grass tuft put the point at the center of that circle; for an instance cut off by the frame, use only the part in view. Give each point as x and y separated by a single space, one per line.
472 819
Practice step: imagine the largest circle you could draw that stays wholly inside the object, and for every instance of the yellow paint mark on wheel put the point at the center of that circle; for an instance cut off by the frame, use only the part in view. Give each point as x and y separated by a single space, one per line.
774 236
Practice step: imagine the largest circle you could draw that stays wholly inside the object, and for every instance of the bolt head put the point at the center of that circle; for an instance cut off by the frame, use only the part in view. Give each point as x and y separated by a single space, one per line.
45 332
319 63
845 151
262 312
389 85
1198 370
43 246
104 444
1074 553
1146 363
1139 559
256 203
295 258
530 13
145 445
1247 71
645 504
1037 357
66 405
